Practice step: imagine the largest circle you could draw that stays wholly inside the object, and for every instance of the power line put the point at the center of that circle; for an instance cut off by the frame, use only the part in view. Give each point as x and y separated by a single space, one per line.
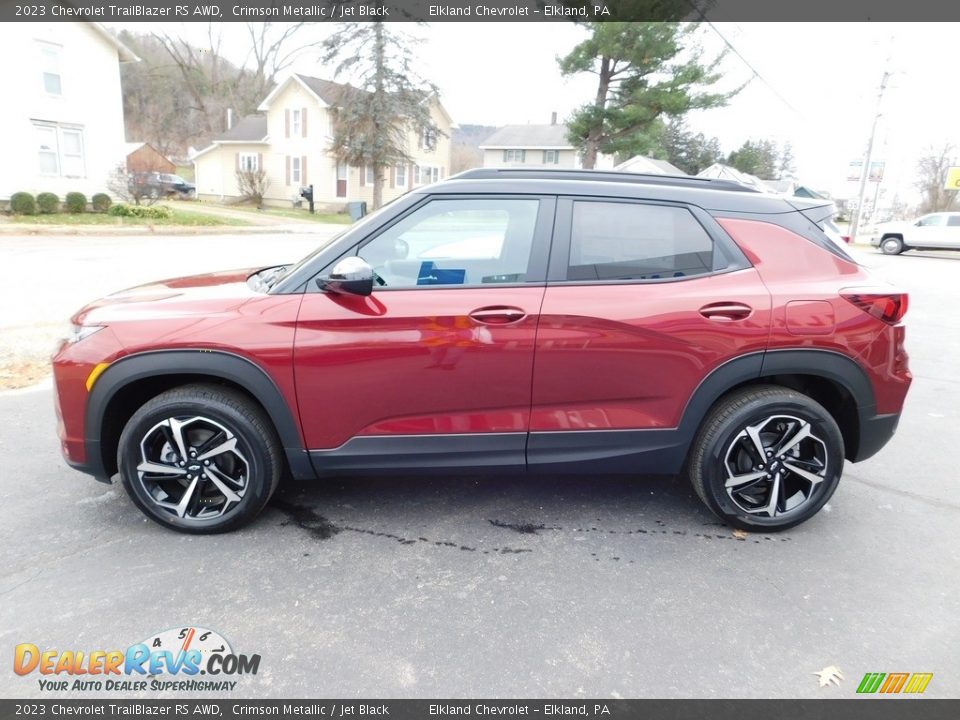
756 73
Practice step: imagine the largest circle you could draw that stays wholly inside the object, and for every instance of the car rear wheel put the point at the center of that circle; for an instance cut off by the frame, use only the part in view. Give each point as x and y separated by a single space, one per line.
200 459
766 458
891 245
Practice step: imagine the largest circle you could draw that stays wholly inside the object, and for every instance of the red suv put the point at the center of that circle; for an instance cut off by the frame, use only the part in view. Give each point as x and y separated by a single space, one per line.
503 320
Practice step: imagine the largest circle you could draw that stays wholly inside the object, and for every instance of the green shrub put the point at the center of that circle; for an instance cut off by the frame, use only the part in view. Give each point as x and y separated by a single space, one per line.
22 203
101 202
47 203
152 212
75 202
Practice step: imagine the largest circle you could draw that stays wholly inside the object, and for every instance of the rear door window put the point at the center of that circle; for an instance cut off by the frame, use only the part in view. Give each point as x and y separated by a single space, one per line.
636 241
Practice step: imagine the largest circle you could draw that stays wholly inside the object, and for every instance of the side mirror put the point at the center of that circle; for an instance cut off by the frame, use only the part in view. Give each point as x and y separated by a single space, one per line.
351 275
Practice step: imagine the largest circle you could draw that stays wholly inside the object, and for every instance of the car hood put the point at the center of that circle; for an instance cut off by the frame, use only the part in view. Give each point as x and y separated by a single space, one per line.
194 295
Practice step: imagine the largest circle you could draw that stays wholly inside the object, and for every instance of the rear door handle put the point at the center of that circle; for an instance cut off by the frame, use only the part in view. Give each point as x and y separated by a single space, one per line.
498 315
726 311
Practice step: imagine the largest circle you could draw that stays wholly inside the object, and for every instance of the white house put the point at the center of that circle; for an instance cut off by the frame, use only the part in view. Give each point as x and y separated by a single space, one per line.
535 146
63 115
648 166
291 139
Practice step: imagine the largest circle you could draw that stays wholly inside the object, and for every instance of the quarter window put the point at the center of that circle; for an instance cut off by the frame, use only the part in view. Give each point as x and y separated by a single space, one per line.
456 242
632 241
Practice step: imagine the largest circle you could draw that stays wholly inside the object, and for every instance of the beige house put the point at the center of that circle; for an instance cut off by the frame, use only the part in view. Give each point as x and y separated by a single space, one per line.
63 110
534 146
291 139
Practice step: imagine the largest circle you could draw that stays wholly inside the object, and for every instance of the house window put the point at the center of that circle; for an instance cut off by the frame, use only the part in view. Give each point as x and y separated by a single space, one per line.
515 156
48 150
249 162
428 138
551 157
60 151
368 175
71 153
50 68
400 175
295 121
295 170
423 175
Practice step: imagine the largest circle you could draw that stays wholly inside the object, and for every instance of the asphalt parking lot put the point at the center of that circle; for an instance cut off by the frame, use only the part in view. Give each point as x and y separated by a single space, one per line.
518 587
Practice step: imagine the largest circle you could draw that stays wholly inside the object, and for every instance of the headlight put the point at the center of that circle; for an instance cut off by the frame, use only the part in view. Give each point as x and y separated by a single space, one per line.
79 332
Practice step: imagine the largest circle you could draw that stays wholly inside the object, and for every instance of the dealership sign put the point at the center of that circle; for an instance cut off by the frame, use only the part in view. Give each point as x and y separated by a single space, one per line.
953 179
168 661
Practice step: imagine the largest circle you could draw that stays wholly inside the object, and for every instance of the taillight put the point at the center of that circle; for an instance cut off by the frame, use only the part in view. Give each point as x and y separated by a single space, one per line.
845 238
889 307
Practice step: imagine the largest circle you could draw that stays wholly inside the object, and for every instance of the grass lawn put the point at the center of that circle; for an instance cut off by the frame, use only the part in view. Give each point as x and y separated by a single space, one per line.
336 218
179 218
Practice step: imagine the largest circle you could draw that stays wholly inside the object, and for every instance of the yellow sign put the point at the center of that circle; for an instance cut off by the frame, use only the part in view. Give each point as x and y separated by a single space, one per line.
953 179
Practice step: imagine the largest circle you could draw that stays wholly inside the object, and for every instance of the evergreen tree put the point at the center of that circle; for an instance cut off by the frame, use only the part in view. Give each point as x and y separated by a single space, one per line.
373 120
645 70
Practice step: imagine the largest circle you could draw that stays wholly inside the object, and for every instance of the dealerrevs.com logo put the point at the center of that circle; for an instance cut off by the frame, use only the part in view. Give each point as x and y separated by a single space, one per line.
172 660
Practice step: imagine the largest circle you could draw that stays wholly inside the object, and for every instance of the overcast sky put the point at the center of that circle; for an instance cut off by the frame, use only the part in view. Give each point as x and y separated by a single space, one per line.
818 89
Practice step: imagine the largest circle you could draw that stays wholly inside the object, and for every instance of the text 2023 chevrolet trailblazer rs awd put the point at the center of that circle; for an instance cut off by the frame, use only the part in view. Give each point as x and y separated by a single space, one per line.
503 320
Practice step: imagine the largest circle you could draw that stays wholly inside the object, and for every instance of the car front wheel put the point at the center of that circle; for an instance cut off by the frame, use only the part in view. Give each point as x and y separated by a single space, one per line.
766 458
200 459
891 245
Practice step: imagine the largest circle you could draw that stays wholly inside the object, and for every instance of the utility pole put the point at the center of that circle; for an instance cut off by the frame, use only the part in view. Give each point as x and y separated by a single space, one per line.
865 170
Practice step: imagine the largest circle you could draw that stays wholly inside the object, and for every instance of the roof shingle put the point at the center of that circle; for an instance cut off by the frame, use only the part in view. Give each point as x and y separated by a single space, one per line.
529 136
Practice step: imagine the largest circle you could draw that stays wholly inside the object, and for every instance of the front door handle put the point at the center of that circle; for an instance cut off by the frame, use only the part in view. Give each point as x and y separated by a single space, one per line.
498 315
726 311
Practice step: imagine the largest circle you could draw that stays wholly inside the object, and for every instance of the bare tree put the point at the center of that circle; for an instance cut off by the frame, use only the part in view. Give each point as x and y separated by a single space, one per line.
133 187
253 185
931 179
214 84
273 49
465 157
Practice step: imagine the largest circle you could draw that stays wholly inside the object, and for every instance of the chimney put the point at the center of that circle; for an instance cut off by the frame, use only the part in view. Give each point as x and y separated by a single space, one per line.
553 118
229 118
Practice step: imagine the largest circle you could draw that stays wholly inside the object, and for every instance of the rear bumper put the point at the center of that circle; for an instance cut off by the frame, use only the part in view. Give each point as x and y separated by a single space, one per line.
875 432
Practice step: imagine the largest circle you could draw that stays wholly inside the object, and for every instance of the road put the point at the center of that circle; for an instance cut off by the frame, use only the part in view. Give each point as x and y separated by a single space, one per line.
49 277
506 587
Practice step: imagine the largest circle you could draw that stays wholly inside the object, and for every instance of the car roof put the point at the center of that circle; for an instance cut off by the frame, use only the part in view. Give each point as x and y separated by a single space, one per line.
708 194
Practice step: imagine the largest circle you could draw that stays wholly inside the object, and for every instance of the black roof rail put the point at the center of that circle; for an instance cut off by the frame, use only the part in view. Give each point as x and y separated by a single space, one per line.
601 176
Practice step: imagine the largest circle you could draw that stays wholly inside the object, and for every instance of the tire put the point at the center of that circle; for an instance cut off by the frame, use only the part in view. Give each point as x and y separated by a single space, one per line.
891 245
726 447
227 489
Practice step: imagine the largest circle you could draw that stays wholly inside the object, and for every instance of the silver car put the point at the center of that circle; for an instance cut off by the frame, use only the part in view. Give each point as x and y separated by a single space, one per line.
936 231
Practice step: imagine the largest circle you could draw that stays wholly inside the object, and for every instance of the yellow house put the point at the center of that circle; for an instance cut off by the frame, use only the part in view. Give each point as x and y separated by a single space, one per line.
291 139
